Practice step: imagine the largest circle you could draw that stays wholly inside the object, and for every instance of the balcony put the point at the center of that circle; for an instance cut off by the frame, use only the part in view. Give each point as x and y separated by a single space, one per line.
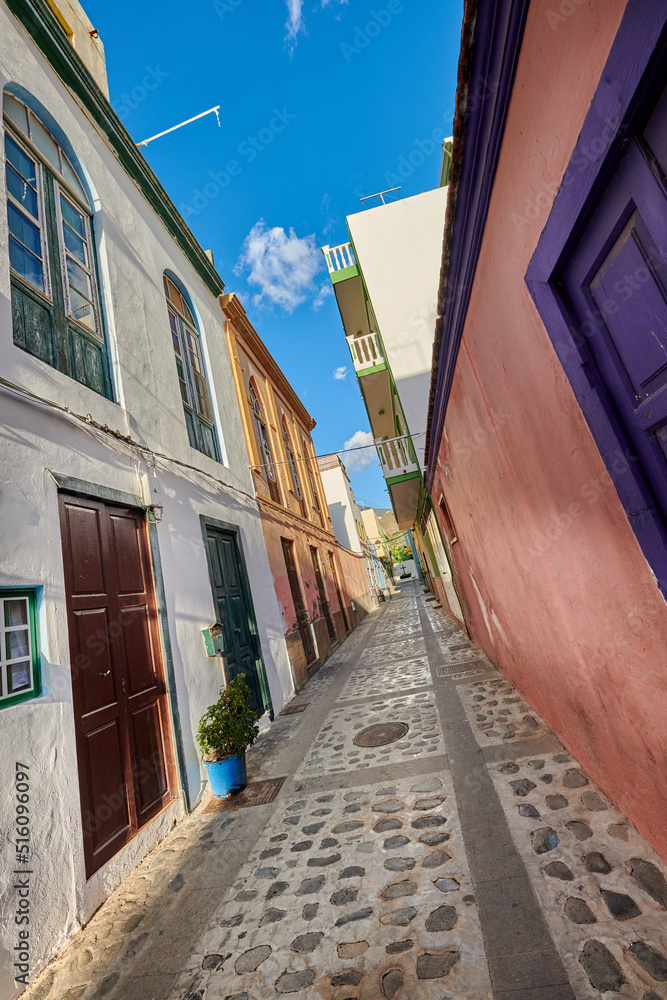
366 352
397 457
341 262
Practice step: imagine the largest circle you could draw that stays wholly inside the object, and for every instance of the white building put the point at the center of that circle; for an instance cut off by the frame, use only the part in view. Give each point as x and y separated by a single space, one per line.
128 521
386 282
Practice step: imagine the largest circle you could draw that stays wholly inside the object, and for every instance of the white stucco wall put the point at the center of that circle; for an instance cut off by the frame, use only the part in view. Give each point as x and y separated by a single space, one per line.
399 248
134 250
341 504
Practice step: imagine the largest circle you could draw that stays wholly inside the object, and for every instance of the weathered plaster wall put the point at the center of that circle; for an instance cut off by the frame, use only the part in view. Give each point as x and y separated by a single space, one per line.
133 249
352 579
555 586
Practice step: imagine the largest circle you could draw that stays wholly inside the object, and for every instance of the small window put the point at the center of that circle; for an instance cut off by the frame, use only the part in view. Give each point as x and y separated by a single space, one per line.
291 461
19 650
447 522
191 375
263 443
311 477
55 301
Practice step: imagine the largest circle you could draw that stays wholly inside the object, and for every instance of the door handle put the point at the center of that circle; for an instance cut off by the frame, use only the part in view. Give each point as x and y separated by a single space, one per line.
106 673
237 630
123 683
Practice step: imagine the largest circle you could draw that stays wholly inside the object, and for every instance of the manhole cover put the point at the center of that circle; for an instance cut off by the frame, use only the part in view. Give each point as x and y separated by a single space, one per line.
463 666
380 735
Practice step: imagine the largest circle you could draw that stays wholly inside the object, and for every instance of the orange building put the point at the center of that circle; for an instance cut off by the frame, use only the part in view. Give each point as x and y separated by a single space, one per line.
322 587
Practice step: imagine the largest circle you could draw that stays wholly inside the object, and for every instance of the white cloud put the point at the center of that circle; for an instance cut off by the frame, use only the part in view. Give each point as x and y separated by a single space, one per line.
340 374
294 21
282 266
323 292
357 461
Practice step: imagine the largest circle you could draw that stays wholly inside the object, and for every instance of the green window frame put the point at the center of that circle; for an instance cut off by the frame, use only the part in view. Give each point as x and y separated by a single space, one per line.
20 675
192 380
56 313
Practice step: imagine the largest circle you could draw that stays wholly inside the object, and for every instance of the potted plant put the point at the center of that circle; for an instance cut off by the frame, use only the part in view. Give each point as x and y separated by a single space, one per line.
225 730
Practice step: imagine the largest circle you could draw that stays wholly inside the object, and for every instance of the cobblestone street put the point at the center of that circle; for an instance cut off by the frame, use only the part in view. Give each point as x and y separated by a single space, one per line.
469 858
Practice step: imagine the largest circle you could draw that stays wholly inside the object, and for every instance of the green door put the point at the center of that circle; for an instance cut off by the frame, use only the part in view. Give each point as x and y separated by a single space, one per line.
234 610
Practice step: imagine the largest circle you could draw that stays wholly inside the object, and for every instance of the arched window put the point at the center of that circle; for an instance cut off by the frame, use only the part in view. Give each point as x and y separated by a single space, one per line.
290 459
263 443
191 374
55 299
311 477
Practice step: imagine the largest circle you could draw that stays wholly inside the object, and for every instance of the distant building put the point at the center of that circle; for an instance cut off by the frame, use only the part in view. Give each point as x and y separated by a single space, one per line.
348 523
386 283
319 577
374 533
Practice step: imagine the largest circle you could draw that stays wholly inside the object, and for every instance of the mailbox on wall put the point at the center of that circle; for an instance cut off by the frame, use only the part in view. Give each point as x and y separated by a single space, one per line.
213 639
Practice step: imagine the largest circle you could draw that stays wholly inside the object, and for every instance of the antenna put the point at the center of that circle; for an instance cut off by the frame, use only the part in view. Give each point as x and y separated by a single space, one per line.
144 142
380 194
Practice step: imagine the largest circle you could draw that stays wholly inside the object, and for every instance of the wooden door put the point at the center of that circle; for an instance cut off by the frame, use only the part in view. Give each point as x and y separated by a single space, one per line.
321 590
124 746
234 610
616 281
297 599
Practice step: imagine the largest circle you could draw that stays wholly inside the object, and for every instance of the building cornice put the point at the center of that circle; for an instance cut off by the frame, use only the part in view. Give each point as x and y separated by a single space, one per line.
40 22
233 309
490 44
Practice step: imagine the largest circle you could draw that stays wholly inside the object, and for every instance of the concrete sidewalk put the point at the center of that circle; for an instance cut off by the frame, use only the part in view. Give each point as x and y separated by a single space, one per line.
430 839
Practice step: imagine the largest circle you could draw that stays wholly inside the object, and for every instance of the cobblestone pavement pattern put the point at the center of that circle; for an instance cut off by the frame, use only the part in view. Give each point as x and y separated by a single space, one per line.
469 859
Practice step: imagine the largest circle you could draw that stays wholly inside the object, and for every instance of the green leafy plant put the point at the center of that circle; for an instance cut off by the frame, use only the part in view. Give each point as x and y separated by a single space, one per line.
228 727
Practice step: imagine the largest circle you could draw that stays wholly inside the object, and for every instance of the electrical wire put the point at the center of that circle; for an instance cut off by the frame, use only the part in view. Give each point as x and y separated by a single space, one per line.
111 435
330 454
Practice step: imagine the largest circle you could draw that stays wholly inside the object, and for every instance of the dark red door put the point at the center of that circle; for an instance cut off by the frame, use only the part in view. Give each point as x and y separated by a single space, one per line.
297 599
322 592
124 750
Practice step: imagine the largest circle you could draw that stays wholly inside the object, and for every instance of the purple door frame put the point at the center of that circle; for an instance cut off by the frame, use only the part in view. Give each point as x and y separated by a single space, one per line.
632 80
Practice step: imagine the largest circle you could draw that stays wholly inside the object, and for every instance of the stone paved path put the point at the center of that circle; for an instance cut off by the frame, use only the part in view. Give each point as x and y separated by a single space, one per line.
470 859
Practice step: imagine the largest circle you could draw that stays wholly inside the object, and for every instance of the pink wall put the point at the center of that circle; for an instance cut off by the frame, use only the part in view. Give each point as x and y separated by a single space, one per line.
351 573
557 590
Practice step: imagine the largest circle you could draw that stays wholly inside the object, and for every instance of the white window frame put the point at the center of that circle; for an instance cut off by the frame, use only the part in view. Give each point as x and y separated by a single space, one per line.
7 696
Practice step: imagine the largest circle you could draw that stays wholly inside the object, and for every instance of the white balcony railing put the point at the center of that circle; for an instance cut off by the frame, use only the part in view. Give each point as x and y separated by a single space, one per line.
397 456
339 257
366 351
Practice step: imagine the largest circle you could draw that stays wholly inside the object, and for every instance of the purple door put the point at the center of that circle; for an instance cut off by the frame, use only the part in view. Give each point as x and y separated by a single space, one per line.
616 286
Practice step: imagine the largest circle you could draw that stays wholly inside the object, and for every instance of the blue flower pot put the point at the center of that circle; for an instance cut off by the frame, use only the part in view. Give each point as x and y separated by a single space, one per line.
227 776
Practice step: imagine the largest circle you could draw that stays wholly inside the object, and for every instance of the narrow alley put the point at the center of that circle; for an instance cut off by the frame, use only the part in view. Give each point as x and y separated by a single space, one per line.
411 830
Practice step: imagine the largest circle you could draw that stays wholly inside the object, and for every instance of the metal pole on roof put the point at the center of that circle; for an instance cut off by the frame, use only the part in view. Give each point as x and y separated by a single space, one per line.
144 142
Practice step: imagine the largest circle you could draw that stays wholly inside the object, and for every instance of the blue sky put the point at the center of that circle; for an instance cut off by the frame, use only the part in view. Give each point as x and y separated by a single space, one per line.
321 103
